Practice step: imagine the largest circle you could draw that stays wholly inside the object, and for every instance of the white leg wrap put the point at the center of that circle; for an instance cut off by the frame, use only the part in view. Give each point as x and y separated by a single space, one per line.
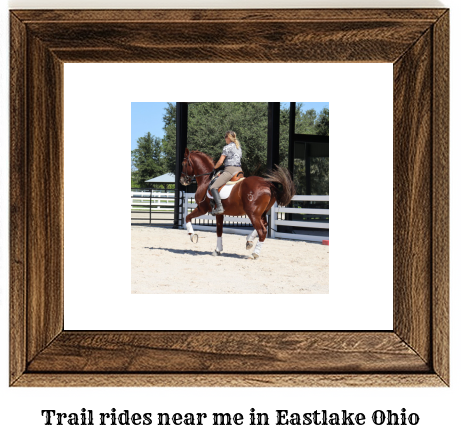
219 245
252 235
190 230
258 247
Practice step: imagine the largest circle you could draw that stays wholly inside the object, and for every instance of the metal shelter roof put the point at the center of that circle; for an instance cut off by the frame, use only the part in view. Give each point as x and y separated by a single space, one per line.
165 178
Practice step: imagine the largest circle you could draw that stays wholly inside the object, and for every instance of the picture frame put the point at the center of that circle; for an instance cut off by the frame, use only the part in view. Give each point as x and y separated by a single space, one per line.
414 353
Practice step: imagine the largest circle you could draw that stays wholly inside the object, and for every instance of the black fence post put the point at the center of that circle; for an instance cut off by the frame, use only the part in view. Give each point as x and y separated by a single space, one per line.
273 136
150 207
291 139
181 142
273 142
291 149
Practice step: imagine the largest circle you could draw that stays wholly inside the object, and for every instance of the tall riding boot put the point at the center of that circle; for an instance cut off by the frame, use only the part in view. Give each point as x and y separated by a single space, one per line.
217 199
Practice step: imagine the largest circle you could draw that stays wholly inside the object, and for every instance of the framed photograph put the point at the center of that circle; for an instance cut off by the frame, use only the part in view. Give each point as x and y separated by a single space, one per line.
414 353
193 298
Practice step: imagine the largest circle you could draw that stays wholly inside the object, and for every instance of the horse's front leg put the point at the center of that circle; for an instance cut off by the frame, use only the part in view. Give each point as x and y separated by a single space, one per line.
219 227
194 214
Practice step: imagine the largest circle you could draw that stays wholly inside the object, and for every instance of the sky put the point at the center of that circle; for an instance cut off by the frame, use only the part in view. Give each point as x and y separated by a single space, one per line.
148 117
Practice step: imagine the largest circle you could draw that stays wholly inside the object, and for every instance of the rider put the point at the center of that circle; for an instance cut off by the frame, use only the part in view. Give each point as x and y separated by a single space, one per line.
231 156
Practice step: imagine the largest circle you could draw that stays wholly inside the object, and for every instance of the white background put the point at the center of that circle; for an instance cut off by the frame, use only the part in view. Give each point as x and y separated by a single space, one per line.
98 129
437 408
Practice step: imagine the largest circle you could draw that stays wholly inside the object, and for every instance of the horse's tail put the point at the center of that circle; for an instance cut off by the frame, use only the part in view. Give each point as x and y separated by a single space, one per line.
283 183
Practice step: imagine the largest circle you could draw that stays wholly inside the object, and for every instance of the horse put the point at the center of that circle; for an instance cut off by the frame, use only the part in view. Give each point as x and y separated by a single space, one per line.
253 196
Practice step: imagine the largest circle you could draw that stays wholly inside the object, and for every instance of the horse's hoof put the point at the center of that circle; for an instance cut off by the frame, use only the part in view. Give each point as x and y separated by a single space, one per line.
216 253
249 244
255 256
194 238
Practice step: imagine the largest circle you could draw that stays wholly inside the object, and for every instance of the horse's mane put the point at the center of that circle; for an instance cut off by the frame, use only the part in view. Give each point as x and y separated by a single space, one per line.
204 155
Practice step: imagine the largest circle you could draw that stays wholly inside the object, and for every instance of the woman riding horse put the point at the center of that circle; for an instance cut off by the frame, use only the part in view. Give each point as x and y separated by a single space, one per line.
252 196
231 156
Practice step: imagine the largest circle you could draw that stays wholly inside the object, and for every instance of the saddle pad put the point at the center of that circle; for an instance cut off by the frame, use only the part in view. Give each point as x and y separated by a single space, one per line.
224 193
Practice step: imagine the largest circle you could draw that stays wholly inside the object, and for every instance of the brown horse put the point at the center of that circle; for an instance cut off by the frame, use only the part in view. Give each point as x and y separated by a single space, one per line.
253 196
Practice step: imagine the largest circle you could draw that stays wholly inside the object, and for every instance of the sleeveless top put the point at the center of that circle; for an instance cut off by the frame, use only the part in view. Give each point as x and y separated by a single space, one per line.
233 155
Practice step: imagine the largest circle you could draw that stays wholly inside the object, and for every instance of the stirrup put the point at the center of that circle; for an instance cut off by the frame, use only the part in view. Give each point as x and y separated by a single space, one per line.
218 210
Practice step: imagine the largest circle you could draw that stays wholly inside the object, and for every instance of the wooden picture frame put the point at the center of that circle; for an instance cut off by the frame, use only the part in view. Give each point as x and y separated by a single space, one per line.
414 353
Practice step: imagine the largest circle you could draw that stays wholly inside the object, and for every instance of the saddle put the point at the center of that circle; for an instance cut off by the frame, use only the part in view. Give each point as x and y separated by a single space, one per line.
237 177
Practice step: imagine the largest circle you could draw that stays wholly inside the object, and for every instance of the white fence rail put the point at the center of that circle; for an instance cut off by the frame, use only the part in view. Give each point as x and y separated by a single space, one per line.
301 224
157 200
189 203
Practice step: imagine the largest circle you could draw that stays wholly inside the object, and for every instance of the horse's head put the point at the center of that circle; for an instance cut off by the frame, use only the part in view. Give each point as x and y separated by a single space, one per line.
187 170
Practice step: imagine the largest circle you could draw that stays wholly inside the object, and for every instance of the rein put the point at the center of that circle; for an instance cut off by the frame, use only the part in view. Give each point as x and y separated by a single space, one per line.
204 174
189 178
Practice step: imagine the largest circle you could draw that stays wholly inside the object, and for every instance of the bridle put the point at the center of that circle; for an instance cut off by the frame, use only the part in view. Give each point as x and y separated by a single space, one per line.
187 178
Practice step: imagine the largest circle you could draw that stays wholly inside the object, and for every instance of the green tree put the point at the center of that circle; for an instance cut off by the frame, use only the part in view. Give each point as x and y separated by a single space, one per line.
207 125
322 123
169 138
147 160
320 166
305 121
285 131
